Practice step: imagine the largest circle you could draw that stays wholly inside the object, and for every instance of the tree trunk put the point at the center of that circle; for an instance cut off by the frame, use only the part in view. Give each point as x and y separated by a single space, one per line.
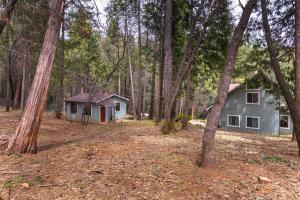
60 101
208 154
16 100
159 100
129 63
153 79
187 99
144 93
168 68
292 102
25 138
140 69
8 82
297 75
5 15
185 64
24 78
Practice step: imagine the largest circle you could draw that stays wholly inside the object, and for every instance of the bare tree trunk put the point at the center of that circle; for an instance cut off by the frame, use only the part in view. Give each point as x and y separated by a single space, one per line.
185 64
16 100
144 93
187 99
129 63
153 78
24 78
6 13
131 82
8 83
60 101
159 101
285 88
25 138
297 83
119 82
208 154
140 88
168 67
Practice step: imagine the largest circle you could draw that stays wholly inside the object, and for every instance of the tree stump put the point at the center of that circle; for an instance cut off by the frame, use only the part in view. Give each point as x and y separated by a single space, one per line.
3 142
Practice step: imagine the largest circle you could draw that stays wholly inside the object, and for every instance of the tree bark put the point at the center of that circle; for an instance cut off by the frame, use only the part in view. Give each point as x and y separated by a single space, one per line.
208 154
25 138
129 63
60 101
185 64
292 103
159 100
187 99
24 76
5 15
8 83
16 100
168 67
297 82
153 79
140 70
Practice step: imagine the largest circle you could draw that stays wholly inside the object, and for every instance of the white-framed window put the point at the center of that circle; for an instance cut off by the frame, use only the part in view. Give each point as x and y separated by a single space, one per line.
233 120
253 98
285 121
252 122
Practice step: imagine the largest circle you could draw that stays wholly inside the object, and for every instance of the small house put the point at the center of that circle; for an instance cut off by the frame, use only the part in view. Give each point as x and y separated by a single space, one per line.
99 107
254 107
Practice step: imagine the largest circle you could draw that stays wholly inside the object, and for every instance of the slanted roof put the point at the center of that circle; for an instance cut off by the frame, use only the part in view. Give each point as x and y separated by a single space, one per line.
98 97
233 87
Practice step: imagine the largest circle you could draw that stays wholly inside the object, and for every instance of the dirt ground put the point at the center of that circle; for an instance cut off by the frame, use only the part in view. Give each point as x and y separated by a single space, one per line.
132 160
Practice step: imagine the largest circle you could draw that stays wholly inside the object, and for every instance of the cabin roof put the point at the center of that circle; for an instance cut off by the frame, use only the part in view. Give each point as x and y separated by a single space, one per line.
233 86
99 97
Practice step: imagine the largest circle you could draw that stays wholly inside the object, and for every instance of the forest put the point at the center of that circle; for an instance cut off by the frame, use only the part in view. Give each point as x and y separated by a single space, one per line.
178 65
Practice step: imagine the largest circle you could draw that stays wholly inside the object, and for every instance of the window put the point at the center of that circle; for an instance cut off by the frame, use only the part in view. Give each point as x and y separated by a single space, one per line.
252 98
87 109
73 108
233 120
118 106
284 121
252 122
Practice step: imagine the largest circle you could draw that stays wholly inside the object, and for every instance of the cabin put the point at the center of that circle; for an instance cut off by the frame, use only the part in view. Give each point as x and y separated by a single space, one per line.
99 107
255 107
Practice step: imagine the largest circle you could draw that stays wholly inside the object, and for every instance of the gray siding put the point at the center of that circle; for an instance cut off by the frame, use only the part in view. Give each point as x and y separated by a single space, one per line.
266 111
123 107
110 113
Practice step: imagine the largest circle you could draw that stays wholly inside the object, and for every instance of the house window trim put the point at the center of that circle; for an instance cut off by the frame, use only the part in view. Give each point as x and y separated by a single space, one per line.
252 127
233 125
289 125
256 89
75 113
258 103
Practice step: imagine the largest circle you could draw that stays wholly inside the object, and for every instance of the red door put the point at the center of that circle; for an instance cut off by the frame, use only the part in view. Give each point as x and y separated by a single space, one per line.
102 114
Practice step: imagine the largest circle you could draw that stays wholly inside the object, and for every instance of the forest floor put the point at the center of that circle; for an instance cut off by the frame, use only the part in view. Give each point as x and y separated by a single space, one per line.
133 160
